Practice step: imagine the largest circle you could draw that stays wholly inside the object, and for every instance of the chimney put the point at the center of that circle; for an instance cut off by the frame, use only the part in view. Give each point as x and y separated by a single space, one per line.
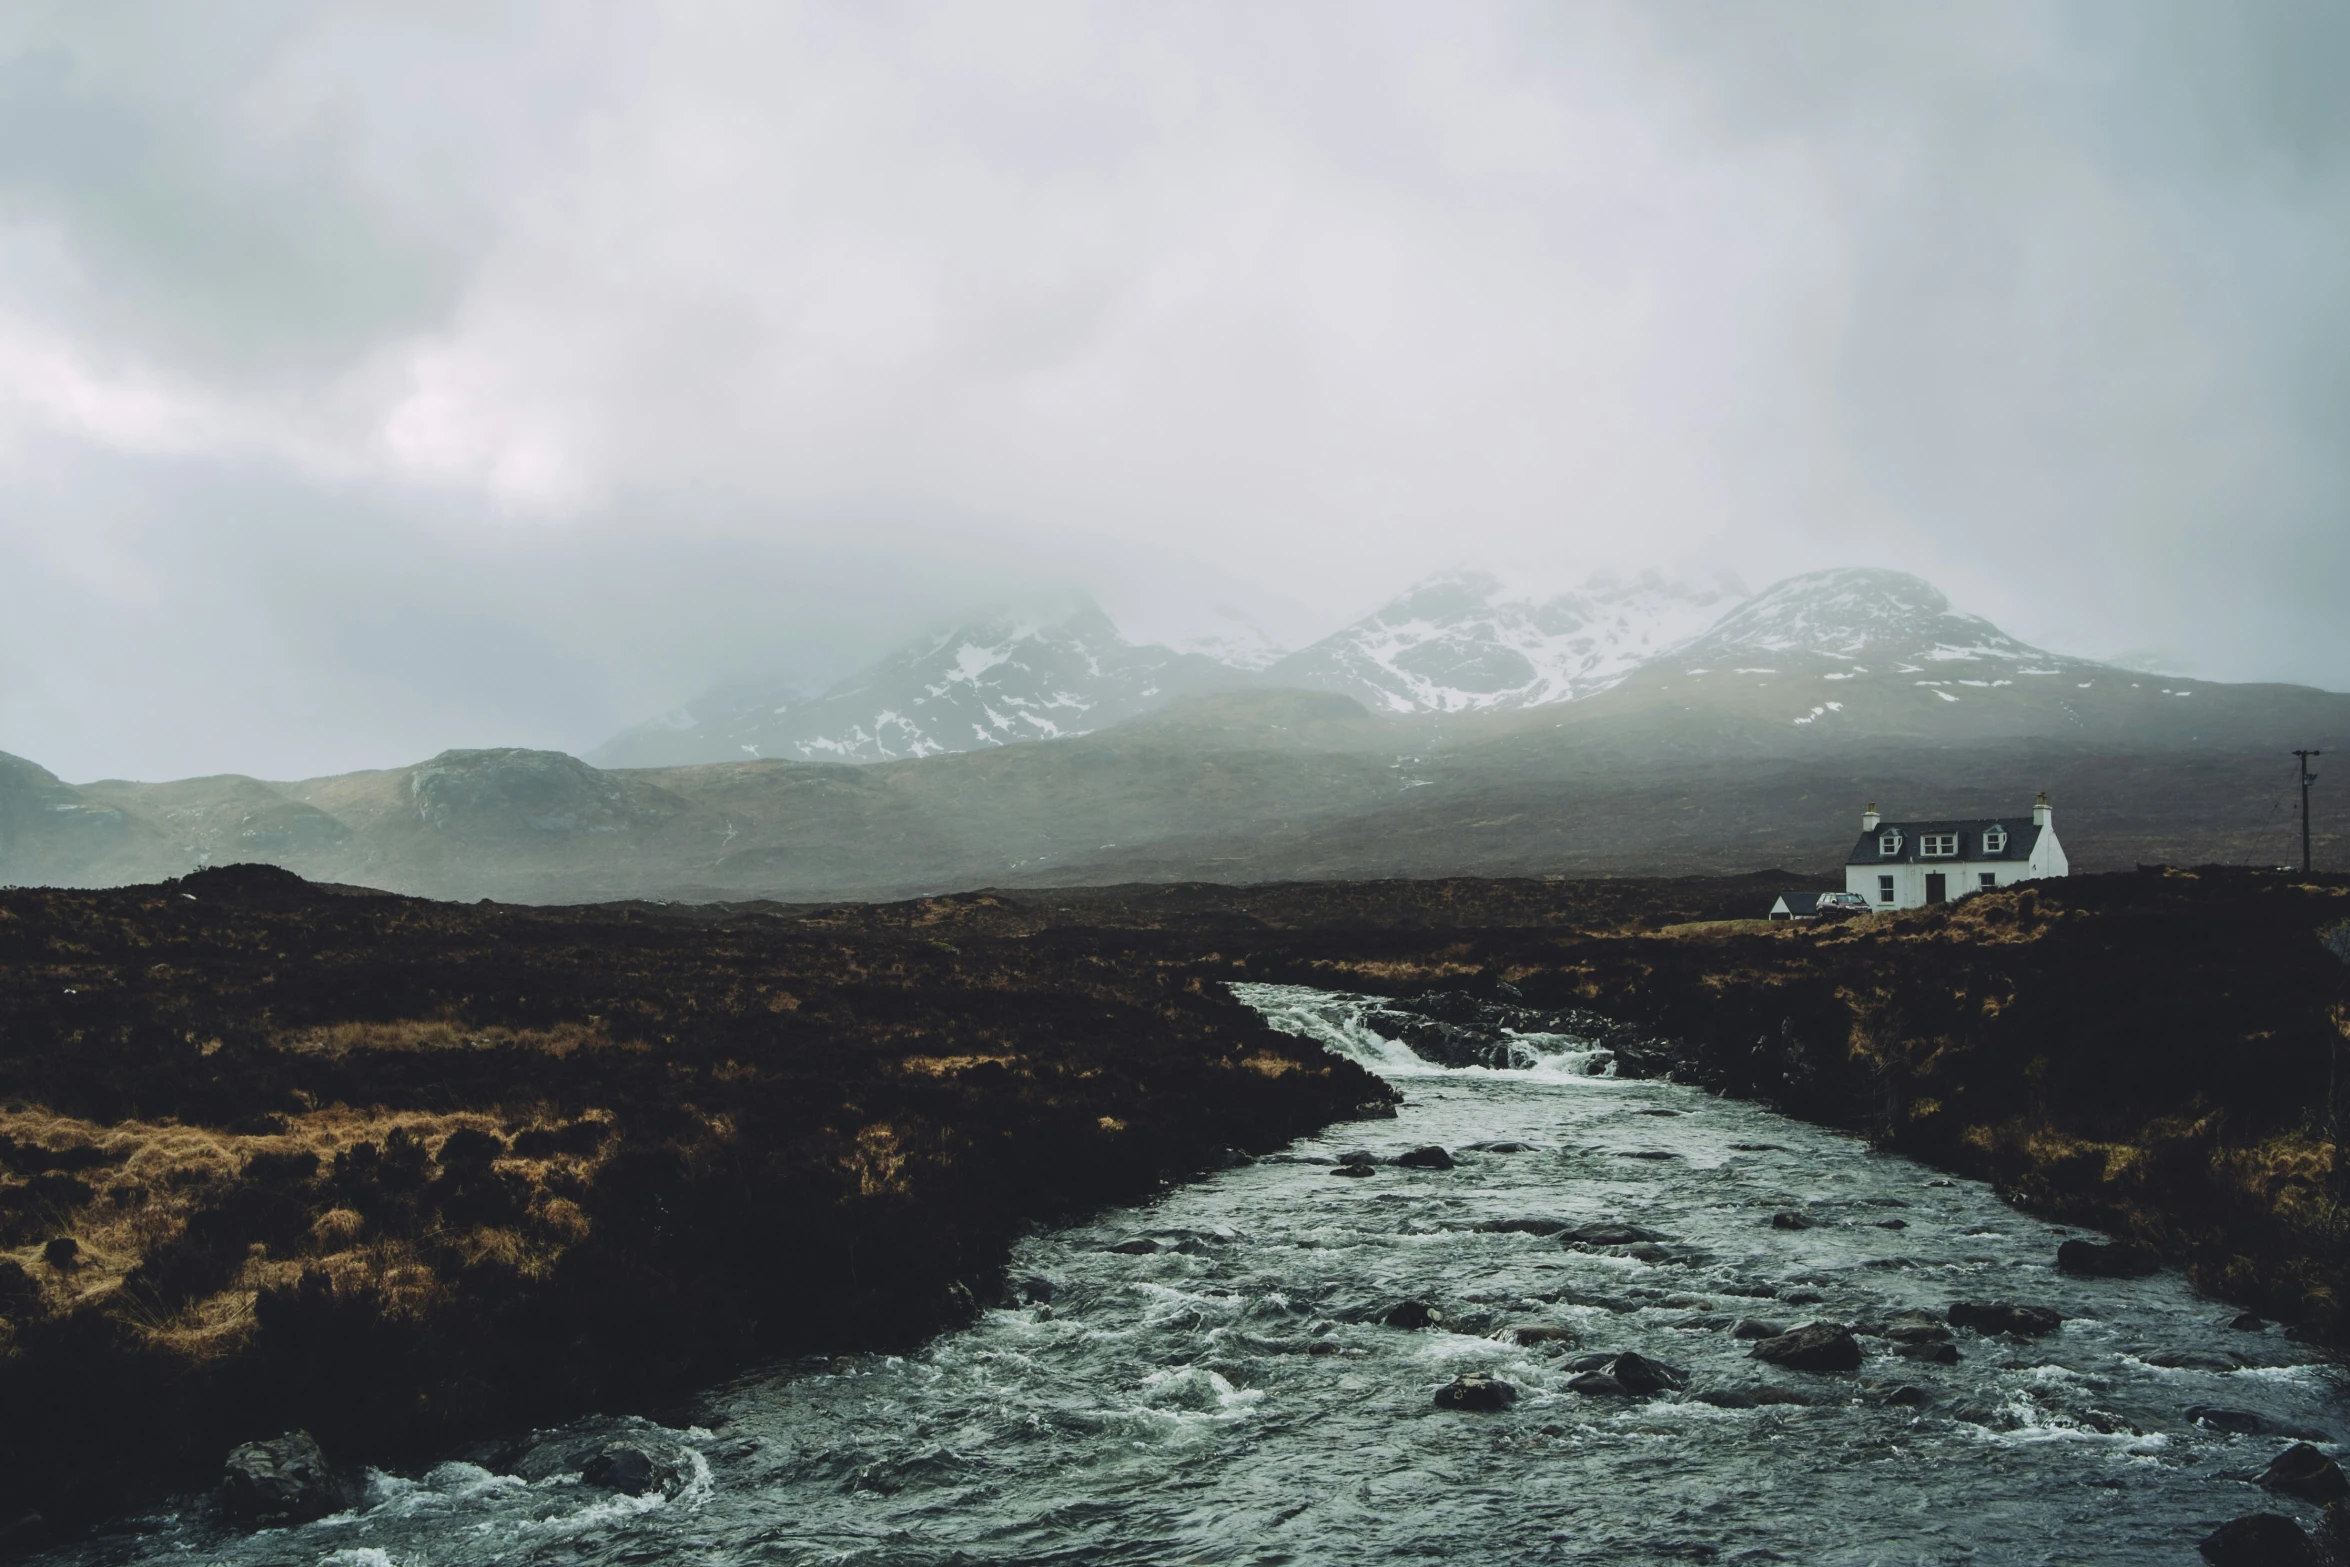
1869 819
2041 811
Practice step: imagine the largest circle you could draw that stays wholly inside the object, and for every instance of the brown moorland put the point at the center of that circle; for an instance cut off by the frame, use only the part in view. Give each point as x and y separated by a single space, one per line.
273 1155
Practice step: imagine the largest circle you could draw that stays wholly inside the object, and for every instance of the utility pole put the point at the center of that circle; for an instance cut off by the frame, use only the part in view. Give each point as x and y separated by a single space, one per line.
2308 777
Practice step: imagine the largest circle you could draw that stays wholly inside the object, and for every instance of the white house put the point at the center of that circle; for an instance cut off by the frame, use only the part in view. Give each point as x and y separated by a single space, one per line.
1907 865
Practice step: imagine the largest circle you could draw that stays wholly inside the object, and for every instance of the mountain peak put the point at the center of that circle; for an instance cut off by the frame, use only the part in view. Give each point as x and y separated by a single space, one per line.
1851 613
1453 643
1045 670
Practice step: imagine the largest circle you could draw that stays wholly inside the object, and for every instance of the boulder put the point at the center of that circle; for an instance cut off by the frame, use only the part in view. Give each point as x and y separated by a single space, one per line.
284 1479
2120 1260
1597 1384
1519 1226
630 1469
1475 1390
1412 1315
2190 1360
1531 1333
2303 1471
1503 1147
1429 1158
1639 1375
2022 1321
1607 1235
2260 1540
1354 1170
1816 1346
1756 1327
1788 1219
1915 1328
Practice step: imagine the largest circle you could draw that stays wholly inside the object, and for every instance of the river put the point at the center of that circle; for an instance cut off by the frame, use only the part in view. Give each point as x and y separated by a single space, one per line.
1209 1379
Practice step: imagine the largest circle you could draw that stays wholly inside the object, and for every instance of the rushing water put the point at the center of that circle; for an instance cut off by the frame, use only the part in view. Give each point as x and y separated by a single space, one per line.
1228 1393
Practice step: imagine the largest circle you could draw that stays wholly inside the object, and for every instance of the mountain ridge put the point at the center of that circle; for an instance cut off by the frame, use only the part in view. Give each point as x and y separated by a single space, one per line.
1732 749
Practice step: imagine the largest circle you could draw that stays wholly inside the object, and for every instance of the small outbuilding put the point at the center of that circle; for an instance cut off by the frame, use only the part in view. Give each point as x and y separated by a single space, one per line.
1796 906
1907 865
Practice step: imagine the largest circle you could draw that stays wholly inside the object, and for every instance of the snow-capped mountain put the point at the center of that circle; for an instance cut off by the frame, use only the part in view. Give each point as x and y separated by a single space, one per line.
1856 615
1862 652
992 681
1453 644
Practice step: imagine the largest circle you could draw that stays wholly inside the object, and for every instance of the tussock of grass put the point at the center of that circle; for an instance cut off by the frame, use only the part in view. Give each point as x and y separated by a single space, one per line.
146 1181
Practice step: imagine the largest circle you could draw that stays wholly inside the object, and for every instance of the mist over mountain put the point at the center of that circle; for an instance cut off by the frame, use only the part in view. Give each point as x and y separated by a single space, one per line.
995 680
1454 644
1456 730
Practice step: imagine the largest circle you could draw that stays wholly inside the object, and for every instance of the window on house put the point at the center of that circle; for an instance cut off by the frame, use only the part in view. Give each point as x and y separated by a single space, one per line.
1888 843
1988 880
1884 889
1938 845
1995 841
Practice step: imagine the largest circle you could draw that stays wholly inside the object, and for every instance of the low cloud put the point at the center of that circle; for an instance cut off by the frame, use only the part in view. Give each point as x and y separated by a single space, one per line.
373 380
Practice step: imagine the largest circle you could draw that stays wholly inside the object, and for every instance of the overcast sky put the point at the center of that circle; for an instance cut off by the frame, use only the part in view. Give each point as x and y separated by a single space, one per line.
381 378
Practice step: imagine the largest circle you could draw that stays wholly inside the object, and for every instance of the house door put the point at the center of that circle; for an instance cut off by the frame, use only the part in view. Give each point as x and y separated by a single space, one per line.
1937 887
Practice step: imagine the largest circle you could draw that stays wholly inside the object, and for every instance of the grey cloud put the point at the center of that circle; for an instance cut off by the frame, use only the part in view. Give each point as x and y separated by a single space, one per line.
508 372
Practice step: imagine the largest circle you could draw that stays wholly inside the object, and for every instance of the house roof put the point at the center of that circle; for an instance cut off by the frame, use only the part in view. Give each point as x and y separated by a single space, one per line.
1798 902
2022 836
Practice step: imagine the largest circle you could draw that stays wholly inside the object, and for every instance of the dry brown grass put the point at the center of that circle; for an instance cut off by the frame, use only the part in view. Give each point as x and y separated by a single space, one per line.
433 1034
156 1175
940 1066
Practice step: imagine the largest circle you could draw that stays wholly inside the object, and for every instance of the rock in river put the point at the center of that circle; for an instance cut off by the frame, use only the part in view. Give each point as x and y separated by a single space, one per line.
1641 1375
629 1469
2121 1260
1476 1390
1623 1375
1429 1158
1816 1346
284 1479
2022 1321
2303 1471
1607 1235
1756 1327
1412 1314
2260 1540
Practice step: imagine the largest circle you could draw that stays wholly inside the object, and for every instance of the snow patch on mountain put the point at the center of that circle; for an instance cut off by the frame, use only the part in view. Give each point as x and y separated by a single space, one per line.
1456 644
994 681
1851 614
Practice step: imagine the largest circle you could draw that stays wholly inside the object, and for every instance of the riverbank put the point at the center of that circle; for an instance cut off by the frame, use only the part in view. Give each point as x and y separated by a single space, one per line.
283 1156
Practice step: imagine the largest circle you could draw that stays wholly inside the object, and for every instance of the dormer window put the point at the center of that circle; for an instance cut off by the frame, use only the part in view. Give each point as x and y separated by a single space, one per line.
1888 843
1995 841
1938 845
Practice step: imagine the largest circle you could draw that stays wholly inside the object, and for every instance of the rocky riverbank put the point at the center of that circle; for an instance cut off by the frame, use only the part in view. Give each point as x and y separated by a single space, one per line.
276 1156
